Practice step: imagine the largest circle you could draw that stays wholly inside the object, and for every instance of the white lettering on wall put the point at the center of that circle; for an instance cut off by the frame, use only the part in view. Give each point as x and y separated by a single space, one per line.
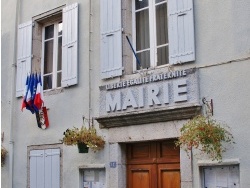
154 95
115 103
153 91
129 100
180 90
141 97
166 93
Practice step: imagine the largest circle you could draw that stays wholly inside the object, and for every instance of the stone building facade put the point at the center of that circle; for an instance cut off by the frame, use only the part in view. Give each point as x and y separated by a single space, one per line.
186 51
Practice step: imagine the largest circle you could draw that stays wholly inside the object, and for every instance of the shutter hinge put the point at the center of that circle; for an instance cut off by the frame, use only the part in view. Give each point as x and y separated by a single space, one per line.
14 65
33 23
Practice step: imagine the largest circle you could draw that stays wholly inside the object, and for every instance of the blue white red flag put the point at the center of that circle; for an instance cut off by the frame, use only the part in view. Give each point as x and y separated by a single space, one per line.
24 104
29 94
35 81
33 94
30 88
38 100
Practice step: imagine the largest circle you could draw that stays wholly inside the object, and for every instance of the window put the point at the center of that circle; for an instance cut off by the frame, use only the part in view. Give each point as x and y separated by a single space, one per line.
52 55
52 37
44 168
151 33
161 32
221 176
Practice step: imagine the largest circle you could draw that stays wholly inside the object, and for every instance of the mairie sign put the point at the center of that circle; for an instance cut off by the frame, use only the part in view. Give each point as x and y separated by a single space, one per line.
167 89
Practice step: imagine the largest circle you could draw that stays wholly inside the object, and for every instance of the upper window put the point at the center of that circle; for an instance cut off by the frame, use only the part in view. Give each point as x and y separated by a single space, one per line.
52 55
52 37
160 32
151 33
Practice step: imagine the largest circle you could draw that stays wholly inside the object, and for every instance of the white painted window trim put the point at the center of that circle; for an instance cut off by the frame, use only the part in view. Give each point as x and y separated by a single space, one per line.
152 35
55 53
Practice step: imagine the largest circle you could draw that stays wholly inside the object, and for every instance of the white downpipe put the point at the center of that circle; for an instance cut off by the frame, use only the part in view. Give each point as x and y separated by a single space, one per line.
13 98
90 68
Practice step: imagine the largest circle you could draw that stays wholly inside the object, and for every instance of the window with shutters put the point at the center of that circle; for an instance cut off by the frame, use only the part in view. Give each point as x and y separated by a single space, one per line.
160 32
44 168
221 176
163 32
52 55
151 33
49 44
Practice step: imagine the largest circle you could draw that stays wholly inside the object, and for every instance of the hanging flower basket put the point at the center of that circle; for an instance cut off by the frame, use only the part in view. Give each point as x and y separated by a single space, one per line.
206 135
89 137
82 147
3 155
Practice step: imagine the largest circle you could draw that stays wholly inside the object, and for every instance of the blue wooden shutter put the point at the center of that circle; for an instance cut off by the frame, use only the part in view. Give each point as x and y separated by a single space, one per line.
181 31
24 55
52 168
37 169
111 39
70 45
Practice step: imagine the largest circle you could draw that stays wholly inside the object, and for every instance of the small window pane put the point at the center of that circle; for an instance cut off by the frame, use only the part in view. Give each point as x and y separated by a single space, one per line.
142 30
48 56
144 58
158 1
59 79
49 32
161 24
60 27
162 56
59 55
141 4
47 82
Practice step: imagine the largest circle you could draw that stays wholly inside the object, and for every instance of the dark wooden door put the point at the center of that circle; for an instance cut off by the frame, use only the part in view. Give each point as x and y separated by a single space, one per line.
153 165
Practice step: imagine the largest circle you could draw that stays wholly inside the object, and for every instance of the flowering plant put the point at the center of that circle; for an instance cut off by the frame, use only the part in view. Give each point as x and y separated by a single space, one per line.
206 135
3 155
89 137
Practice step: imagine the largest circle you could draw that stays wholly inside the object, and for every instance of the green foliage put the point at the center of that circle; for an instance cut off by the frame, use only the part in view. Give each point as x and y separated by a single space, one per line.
83 135
206 135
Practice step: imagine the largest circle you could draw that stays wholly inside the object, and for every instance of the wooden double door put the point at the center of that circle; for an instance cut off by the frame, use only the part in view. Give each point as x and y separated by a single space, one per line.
153 165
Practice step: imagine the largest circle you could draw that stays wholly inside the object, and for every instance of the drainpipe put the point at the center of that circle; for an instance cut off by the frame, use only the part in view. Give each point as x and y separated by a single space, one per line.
90 53
13 98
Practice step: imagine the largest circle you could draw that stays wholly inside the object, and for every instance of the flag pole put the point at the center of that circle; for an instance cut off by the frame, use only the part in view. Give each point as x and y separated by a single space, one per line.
137 60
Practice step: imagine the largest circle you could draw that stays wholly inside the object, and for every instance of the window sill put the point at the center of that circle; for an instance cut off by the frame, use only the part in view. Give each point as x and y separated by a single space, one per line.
170 67
53 91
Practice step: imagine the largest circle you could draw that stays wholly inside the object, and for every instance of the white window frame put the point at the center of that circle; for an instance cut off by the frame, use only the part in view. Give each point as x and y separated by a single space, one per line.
55 53
152 34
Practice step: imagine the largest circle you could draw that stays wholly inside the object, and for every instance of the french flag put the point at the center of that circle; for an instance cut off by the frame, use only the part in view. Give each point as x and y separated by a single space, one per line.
30 91
24 103
38 101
